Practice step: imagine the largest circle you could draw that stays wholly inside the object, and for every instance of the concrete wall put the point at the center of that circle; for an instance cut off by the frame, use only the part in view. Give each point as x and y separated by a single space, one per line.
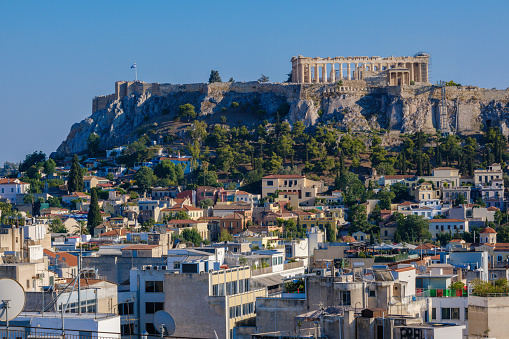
196 314
277 314
115 268
488 316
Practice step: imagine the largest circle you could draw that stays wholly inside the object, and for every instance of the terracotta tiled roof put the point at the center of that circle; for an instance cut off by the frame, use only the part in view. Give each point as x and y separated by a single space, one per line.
488 230
64 257
283 176
426 246
398 176
242 193
115 232
139 247
447 220
404 269
9 181
493 208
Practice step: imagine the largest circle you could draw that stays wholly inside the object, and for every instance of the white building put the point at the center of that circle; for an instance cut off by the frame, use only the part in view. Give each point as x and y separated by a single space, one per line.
50 325
10 187
452 226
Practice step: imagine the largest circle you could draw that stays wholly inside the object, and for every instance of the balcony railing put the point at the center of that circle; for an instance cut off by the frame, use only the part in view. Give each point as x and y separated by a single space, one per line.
441 292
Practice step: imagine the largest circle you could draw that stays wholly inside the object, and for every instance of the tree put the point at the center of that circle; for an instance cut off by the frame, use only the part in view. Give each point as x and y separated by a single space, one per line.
358 219
400 192
93 145
386 196
31 160
460 200
191 235
187 111
49 166
331 232
206 203
75 182
56 226
412 228
55 202
28 199
94 217
144 178
263 78
214 77
225 236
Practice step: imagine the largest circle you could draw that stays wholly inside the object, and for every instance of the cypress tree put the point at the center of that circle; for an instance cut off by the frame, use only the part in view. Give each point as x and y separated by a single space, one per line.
94 213
75 182
403 164
419 164
438 159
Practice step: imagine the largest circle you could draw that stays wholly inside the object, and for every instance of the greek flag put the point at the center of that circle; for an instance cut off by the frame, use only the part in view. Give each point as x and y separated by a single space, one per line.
134 65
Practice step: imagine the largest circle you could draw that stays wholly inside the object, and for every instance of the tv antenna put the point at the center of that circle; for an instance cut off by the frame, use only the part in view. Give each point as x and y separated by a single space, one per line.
12 298
164 323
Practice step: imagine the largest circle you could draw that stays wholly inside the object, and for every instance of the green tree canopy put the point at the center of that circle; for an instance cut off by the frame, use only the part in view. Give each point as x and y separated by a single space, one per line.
75 182
56 226
214 77
191 235
144 178
225 236
94 217
187 111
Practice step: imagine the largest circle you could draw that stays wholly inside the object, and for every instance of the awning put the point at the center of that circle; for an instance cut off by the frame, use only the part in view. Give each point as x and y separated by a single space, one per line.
268 281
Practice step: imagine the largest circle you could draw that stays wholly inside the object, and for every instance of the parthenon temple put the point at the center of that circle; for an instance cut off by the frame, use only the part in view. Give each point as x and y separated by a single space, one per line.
395 71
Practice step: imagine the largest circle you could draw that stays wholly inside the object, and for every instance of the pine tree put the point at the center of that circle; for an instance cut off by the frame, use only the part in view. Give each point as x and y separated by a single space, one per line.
94 213
75 182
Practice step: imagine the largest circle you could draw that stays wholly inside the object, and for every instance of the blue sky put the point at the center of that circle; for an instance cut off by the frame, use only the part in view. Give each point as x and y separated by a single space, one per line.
55 56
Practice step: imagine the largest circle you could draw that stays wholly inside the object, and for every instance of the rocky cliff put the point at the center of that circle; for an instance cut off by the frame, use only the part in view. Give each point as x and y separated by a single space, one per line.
117 117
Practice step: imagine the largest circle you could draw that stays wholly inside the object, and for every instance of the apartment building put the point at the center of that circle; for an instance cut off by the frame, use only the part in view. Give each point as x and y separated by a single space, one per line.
224 299
452 226
307 189
10 187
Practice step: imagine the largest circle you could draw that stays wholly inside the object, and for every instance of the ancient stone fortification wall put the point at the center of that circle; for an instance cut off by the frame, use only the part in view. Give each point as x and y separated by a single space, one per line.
126 88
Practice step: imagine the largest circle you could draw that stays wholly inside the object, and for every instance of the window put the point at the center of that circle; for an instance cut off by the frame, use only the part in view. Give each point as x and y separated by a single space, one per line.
153 286
126 308
372 293
345 298
466 313
127 328
149 327
176 265
308 194
153 307
499 258
270 183
433 313
450 313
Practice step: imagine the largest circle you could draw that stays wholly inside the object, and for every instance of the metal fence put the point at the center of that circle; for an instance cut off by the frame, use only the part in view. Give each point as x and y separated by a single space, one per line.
18 332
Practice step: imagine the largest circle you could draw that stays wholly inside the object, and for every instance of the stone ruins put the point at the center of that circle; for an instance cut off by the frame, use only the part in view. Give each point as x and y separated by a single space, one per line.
392 71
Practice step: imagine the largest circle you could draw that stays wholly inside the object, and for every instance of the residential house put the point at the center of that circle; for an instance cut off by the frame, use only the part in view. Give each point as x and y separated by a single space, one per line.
307 189
177 226
452 226
10 187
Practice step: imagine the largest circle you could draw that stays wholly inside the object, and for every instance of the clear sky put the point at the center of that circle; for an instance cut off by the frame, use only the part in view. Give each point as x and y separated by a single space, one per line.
55 56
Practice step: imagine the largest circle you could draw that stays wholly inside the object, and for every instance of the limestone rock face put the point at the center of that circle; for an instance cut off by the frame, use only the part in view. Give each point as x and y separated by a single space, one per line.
404 109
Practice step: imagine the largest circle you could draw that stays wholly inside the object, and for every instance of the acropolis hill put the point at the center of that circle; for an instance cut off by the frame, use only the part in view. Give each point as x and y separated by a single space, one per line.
359 93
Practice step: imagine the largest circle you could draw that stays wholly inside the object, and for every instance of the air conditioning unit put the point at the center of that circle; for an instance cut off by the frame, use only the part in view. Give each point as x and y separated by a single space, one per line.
320 272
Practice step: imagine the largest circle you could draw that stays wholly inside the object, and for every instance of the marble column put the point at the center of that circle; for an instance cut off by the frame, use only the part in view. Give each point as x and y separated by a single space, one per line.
349 74
333 72
324 73
301 73
340 71
317 73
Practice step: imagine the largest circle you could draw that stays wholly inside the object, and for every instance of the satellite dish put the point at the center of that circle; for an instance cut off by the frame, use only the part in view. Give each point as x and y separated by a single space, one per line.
422 269
164 323
12 299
